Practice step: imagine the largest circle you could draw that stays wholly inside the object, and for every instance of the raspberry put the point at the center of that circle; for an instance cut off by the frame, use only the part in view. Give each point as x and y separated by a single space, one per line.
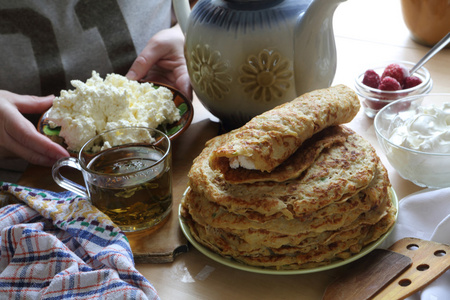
395 71
371 78
389 84
411 81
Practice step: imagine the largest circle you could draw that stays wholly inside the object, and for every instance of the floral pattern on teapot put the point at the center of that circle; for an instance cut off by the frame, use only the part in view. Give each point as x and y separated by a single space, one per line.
209 72
266 76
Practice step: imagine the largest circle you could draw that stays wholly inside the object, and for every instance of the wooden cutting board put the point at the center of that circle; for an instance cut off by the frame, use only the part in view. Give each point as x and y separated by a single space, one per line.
405 268
160 244
367 275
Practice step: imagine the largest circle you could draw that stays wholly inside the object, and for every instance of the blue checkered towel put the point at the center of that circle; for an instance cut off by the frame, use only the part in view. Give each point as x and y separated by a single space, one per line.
58 246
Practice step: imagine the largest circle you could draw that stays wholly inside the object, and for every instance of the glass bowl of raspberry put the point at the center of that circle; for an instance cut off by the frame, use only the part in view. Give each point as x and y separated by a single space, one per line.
390 81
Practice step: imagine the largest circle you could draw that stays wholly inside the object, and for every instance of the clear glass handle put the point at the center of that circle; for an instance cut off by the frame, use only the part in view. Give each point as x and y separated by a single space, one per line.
63 181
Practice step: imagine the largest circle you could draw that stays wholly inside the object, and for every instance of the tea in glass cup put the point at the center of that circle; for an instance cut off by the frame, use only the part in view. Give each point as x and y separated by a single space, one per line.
128 176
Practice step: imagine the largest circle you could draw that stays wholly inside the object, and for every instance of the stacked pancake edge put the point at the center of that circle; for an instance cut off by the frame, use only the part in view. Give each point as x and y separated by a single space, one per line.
318 192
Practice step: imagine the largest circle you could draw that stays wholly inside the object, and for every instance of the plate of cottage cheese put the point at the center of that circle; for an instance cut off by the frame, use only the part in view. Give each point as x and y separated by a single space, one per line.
101 104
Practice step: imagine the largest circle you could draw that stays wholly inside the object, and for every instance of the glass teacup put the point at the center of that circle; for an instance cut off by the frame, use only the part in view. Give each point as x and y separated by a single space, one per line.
127 174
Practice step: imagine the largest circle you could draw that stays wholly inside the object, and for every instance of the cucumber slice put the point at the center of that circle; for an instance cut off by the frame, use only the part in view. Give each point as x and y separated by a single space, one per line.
51 131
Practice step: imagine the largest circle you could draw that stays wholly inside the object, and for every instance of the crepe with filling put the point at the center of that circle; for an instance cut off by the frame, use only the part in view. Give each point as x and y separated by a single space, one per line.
338 173
270 138
293 166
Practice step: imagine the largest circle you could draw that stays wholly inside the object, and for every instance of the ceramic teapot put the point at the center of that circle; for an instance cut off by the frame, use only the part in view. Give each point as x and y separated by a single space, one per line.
245 57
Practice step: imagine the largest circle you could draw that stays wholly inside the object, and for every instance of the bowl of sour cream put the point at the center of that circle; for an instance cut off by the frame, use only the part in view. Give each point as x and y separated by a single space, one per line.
414 134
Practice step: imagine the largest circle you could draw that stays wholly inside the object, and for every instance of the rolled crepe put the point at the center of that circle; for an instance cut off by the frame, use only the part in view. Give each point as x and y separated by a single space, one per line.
292 167
269 139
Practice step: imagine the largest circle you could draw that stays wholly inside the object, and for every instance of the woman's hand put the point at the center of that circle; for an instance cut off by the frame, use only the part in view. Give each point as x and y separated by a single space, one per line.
19 137
162 60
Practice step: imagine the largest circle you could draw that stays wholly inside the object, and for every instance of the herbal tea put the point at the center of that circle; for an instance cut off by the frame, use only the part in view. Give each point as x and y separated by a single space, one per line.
135 191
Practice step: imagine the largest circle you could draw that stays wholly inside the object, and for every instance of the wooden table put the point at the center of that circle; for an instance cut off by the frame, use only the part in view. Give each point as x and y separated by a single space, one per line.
367 32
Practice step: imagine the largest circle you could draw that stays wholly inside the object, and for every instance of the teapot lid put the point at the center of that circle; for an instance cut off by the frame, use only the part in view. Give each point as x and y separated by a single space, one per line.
248 1
254 4
253 1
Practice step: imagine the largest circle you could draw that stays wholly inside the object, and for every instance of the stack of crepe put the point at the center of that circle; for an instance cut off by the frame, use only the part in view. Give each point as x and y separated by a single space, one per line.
291 189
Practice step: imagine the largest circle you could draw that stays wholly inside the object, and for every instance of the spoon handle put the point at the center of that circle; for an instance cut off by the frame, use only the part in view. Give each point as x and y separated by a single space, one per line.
436 48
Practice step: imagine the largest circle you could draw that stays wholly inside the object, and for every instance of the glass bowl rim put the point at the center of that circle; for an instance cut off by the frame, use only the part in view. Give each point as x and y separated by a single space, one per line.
407 99
427 80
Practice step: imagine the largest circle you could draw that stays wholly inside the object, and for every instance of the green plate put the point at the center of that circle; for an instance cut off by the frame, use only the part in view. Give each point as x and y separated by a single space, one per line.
238 265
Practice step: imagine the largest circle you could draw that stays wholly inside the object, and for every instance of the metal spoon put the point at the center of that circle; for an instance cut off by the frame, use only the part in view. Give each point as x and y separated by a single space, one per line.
436 48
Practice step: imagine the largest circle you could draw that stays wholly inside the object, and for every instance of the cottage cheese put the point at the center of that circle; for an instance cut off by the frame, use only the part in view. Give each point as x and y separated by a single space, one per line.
99 105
